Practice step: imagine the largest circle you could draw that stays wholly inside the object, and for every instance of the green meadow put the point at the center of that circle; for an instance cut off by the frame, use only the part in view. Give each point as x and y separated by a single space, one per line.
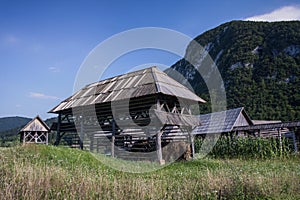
48 172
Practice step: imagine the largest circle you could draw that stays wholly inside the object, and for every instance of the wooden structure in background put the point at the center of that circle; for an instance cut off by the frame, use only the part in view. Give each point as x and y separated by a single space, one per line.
275 129
237 123
36 131
139 113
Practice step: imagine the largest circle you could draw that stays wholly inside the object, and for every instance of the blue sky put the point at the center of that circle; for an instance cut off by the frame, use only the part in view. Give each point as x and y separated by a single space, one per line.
43 43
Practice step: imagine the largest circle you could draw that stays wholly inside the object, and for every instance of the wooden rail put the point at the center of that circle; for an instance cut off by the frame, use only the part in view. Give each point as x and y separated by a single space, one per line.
268 126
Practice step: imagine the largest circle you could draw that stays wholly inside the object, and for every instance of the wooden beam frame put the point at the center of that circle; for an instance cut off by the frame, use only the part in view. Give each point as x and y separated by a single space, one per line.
81 137
159 148
113 138
58 134
38 137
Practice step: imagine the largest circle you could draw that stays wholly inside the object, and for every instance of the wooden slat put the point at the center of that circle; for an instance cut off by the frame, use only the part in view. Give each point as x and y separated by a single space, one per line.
268 126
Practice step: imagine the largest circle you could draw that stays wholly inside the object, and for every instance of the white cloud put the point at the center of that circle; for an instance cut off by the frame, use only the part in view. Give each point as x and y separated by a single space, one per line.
54 69
42 96
286 13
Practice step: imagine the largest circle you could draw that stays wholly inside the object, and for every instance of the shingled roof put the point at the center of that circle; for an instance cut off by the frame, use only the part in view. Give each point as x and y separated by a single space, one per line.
140 83
222 122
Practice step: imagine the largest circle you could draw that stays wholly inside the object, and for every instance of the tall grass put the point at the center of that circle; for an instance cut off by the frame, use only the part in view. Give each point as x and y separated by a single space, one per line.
46 172
248 148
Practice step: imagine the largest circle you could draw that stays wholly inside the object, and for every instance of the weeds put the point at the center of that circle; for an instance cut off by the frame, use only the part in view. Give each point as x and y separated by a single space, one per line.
46 172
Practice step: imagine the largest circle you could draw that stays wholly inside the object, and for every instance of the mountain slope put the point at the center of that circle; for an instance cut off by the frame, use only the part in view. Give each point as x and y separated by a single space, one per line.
7 123
259 63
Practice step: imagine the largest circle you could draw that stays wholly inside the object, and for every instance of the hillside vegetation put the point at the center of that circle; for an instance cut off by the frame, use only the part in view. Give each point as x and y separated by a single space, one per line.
47 172
7 123
259 63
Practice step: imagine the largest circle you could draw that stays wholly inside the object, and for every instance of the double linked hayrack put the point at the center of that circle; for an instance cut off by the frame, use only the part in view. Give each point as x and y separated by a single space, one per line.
142 115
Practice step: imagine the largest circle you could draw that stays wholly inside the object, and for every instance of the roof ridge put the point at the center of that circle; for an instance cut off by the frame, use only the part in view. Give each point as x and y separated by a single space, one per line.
128 73
155 80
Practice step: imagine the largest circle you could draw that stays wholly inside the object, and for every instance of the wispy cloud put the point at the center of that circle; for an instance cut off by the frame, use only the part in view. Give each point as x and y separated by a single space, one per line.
54 69
11 39
286 13
42 96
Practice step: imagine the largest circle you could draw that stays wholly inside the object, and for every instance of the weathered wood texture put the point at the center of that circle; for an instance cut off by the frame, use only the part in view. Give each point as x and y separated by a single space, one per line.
268 126
36 131
131 116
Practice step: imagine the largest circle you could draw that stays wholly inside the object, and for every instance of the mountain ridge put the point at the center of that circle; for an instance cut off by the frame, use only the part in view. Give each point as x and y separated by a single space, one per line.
7 123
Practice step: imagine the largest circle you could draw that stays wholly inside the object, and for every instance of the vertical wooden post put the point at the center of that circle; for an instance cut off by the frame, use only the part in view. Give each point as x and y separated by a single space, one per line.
231 136
158 106
58 130
191 137
294 142
98 144
35 137
113 138
158 148
81 137
24 139
46 138
92 142
280 140
258 134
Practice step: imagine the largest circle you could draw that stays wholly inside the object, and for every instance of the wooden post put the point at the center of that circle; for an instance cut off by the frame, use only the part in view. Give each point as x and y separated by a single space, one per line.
58 136
280 141
35 137
24 139
98 144
46 138
81 138
292 133
159 149
91 143
294 141
258 134
231 136
113 138
191 137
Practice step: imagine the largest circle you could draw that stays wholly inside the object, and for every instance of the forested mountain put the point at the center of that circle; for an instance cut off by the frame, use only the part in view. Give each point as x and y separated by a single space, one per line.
259 63
7 123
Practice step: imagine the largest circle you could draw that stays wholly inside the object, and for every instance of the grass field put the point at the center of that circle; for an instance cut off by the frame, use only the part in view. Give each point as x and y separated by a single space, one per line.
47 172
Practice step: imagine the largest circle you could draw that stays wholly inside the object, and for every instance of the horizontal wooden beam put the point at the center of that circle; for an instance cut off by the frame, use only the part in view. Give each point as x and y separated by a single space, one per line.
267 126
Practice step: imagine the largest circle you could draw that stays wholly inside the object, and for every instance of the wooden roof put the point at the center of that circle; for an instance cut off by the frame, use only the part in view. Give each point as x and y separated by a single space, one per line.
224 121
36 125
140 83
